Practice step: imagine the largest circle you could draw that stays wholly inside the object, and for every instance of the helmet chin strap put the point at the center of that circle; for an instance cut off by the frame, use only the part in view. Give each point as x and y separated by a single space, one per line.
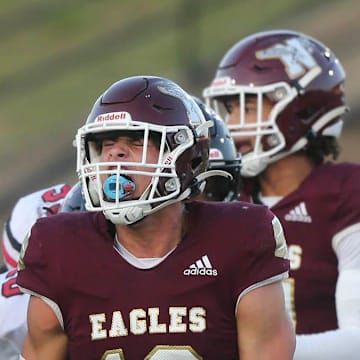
131 214
134 214
252 167
128 215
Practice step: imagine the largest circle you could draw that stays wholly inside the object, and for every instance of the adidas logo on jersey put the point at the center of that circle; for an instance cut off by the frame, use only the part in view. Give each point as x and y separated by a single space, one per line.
299 214
201 267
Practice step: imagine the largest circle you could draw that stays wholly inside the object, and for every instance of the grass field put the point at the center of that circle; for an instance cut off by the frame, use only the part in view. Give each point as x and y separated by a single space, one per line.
58 56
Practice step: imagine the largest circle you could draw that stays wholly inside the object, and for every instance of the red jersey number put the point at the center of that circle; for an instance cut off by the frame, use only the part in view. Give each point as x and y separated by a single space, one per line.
54 196
9 287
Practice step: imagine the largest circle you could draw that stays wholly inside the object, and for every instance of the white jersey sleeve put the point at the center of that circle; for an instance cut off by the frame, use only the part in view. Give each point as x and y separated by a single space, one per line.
344 342
13 310
27 210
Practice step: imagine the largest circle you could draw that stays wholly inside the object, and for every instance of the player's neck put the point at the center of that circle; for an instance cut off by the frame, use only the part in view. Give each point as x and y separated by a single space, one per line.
157 234
285 176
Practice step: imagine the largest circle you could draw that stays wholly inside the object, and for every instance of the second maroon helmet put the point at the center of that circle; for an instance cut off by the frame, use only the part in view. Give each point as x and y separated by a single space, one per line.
301 77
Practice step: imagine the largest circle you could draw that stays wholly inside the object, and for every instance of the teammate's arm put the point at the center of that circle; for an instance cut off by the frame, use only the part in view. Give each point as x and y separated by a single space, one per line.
46 338
344 342
264 329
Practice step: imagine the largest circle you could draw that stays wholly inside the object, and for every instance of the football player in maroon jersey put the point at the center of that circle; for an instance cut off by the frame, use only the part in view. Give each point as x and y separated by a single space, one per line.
223 157
13 303
144 274
282 95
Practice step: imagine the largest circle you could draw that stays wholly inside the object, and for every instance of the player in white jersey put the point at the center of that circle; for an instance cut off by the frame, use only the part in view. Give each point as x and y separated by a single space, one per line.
13 303
27 210
13 308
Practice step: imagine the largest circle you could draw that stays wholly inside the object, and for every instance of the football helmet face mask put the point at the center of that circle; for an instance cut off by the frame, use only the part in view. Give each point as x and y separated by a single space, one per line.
300 77
150 108
223 157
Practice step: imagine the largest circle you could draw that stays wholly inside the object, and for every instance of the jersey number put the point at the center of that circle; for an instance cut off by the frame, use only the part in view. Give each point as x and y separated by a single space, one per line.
53 196
296 253
158 353
9 287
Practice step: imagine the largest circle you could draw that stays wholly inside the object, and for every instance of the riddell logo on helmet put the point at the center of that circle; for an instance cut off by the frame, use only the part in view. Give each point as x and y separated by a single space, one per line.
223 81
122 115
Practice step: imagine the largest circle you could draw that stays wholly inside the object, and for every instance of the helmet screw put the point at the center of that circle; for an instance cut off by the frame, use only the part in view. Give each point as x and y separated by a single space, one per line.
180 137
170 185
272 140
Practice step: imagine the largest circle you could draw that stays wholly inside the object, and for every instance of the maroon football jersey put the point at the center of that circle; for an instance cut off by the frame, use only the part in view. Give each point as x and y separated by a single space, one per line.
182 308
327 202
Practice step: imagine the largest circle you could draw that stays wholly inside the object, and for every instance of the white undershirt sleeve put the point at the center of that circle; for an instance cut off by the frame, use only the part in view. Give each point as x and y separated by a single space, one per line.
344 342
8 350
330 345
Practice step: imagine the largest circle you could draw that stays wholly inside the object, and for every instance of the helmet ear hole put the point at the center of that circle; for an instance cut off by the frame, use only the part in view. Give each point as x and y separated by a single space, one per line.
306 114
217 188
195 163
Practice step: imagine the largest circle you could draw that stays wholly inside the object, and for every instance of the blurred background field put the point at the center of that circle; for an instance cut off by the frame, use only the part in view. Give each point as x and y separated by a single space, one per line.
56 57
